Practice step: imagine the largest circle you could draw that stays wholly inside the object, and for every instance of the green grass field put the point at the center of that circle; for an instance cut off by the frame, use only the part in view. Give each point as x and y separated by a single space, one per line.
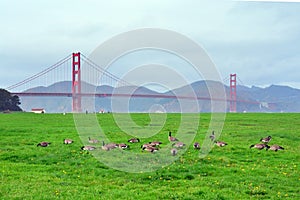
232 172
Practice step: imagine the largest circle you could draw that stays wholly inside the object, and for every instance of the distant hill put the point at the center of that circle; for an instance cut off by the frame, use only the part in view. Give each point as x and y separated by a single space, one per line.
250 99
279 98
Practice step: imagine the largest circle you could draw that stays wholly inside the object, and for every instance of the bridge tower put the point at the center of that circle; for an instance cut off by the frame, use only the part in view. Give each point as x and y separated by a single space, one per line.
232 92
76 83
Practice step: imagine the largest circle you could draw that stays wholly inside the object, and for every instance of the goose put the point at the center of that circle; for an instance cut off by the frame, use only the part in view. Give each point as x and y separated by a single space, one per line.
112 145
105 147
171 138
93 140
109 146
134 140
212 136
88 148
178 144
274 147
43 144
220 143
147 145
259 146
155 143
123 146
150 149
266 140
173 152
68 141
196 145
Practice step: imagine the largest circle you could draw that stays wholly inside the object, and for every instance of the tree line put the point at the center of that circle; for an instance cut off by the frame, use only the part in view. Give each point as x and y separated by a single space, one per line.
9 102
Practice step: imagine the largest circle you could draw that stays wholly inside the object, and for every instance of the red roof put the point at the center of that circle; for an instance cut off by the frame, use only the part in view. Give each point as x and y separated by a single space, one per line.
37 109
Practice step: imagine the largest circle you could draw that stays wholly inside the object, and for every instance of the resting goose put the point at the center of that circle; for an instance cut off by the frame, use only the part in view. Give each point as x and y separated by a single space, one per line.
155 143
88 148
196 145
178 144
93 141
174 151
134 140
43 144
275 147
150 149
109 146
68 141
220 143
259 146
147 145
266 140
123 146
171 138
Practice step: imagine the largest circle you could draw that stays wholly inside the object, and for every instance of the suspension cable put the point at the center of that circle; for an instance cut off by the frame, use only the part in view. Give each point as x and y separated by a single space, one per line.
52 67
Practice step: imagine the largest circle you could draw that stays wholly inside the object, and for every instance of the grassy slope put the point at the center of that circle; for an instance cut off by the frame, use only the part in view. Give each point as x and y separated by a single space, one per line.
66 172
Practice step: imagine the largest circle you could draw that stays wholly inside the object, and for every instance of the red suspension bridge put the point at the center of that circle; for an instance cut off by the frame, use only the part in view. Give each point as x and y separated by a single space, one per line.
61 71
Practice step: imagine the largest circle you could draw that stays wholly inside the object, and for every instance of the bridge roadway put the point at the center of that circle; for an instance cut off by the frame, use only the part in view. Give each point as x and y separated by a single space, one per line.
103 95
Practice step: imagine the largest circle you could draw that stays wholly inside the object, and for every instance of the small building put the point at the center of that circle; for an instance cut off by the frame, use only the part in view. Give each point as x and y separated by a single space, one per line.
38 110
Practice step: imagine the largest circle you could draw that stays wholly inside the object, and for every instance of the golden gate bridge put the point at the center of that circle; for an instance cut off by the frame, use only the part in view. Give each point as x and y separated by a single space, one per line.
61 71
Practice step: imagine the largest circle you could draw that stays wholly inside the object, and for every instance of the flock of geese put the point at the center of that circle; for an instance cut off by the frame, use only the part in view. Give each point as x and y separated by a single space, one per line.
153 146
264 145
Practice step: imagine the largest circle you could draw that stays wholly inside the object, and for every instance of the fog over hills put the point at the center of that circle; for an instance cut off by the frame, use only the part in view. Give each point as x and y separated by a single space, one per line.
274 98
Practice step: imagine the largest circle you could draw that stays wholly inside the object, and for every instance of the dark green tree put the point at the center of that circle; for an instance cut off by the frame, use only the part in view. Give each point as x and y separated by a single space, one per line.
8 101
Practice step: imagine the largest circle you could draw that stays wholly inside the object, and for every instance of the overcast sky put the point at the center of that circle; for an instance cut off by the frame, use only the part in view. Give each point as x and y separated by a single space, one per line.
260 41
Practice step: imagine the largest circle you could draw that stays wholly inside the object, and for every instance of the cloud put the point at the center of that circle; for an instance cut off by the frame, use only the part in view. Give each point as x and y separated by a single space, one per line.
252 39
272 1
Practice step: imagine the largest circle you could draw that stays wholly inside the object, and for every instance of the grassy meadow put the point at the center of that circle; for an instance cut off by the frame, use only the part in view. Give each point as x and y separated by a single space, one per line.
232 172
